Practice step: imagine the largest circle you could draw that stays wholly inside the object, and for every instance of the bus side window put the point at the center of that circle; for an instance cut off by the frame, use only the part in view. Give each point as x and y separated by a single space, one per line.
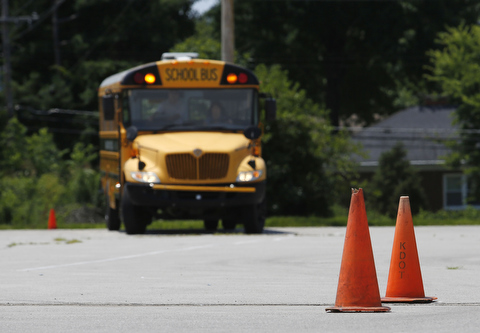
108 106
125 110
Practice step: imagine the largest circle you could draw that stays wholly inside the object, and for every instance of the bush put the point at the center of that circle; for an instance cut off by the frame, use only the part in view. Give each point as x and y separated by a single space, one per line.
35 178
15 199
297 184
83 181
26 201
307 165
394 178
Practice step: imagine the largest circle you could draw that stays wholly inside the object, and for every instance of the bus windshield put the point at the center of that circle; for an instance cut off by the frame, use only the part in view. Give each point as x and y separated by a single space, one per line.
190 109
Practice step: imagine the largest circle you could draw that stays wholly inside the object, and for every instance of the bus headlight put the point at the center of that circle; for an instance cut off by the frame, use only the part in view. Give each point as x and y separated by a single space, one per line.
145 177
249 176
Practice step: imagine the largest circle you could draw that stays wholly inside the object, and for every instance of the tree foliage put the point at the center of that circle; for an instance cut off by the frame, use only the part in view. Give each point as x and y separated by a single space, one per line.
353 57
349 57
201 42
307 165
206 43
455 68
35 178
394 178
95 39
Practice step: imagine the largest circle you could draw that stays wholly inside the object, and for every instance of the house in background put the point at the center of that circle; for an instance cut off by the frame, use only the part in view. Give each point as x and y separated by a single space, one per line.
423 130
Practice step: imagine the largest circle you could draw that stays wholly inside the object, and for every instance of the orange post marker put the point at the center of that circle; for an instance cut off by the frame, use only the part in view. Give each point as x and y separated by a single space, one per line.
405 277
52 221
357 284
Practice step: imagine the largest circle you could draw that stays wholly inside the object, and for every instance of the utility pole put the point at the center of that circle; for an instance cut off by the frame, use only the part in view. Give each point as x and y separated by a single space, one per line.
7 74
56 46
56 22
228 31
7 67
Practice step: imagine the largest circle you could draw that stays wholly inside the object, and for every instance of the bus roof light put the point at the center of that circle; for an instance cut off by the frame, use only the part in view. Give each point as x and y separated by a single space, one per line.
242 78
232 78
179 55
138 78
150 78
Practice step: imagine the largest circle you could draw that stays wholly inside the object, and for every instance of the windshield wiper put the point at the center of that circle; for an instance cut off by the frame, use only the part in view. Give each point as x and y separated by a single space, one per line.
195 126
218 127
169 126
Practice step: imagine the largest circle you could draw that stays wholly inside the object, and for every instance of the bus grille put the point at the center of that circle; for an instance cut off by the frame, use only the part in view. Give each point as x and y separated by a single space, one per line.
187 167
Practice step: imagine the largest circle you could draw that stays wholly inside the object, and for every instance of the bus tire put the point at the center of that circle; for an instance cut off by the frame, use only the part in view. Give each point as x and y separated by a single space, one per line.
135 218
210 225
254 218
112 218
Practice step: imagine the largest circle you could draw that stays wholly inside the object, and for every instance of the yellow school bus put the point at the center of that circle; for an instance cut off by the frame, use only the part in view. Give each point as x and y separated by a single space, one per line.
180 138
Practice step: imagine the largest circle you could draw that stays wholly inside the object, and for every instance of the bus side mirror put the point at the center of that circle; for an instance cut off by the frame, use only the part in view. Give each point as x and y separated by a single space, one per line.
132 133
270 109
108 107
252 132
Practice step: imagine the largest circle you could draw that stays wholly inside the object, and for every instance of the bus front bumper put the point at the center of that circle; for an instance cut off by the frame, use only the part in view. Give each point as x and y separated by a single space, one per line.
187 196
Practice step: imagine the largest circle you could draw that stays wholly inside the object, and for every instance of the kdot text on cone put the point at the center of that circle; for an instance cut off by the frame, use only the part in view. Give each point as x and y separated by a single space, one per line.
405 282
357 284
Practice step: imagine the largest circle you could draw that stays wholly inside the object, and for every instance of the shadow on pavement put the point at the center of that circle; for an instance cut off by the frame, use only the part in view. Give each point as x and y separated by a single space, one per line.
238 231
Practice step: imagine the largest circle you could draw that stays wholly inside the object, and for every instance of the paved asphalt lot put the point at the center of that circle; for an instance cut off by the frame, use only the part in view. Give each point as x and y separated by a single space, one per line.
280 281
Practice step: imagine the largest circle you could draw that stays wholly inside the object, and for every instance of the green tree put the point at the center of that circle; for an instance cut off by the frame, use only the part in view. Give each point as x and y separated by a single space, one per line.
201 42
83 182
394 178
456 70
353 57
95 39
14 148
307 166
34 177
206 43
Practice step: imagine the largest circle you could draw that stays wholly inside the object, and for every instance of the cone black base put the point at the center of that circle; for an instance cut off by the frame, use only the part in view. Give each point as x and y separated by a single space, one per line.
358 309
408 299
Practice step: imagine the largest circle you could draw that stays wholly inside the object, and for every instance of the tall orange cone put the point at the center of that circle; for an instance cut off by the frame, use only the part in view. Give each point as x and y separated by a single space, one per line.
52 221
405 277
357 284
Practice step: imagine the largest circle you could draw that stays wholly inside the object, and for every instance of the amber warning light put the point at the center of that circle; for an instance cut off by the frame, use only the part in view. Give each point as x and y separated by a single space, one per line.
148 78
232 78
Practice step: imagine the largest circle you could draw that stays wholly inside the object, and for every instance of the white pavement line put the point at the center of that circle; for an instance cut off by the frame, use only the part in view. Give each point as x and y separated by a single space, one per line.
115 258
278 239
247 242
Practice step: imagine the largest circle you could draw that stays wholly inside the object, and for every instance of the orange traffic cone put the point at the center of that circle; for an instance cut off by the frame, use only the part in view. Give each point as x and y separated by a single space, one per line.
357 285
405 278
52 221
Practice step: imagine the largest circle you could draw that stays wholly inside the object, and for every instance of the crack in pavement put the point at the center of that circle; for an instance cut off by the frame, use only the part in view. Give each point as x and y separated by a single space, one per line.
216 304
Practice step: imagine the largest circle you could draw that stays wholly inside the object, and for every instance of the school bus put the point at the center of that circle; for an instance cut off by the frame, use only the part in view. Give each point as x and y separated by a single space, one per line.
180 138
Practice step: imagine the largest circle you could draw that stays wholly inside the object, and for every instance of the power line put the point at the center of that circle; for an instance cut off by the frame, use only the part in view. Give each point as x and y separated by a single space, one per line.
56 111
24 6
41 18
106 31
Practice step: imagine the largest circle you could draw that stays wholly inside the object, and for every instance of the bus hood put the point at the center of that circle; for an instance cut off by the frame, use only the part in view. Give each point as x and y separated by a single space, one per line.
188 142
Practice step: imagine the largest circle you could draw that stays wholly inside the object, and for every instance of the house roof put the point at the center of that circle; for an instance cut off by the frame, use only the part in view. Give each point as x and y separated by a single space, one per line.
423 131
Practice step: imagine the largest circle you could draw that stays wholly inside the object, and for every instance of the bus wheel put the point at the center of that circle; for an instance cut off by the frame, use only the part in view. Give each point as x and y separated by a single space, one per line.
135 218
210 225
229 224
254 218
112 217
